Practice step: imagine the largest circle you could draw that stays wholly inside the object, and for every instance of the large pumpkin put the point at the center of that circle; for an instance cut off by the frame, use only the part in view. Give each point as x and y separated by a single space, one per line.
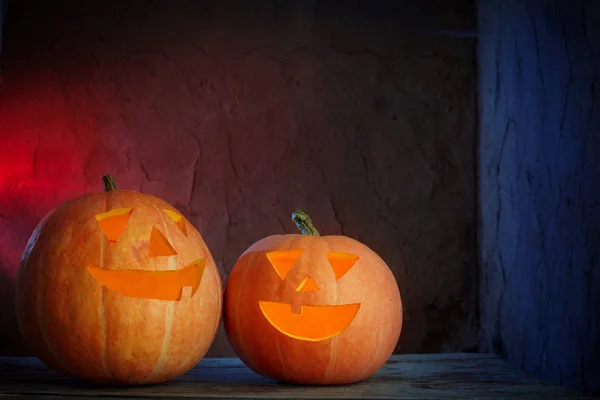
312 309
118 287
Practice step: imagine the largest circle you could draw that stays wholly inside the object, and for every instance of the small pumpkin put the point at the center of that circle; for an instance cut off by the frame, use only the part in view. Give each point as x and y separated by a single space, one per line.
311 309
118 287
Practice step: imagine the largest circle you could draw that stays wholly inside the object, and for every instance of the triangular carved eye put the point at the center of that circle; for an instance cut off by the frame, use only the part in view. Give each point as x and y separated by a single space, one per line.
341 262
113 223
178 219
283 260
159 245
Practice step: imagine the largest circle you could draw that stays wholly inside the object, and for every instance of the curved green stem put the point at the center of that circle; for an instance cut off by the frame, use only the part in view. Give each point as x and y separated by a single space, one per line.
303 222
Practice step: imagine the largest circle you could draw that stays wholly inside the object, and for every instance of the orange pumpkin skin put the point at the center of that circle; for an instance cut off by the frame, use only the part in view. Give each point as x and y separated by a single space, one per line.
77 326
352 355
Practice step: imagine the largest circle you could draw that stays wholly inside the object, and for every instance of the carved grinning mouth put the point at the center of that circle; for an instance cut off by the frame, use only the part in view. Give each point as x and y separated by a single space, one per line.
313 323
159 285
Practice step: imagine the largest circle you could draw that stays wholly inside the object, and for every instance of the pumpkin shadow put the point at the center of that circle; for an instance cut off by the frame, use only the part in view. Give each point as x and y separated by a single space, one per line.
11 341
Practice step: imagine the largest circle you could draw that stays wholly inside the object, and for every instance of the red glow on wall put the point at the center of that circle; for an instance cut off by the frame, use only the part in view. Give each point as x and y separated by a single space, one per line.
40 156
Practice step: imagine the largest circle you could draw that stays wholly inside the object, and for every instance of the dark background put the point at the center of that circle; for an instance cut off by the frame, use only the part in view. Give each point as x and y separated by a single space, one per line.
457 140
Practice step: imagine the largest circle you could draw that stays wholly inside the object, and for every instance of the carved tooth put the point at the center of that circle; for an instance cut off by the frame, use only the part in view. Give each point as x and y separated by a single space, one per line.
186 292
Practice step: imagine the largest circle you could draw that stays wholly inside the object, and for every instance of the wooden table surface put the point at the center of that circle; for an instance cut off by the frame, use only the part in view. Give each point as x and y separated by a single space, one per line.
424 376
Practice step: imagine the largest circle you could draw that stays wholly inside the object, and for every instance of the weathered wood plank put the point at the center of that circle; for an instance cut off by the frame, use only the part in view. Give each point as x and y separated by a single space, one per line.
424 376
538 151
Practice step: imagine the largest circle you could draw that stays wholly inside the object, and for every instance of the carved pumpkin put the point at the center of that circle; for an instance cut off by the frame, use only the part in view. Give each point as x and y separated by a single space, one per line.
118 287
312 309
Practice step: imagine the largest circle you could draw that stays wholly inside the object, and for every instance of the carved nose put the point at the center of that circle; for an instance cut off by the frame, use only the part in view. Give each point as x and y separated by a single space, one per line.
307 285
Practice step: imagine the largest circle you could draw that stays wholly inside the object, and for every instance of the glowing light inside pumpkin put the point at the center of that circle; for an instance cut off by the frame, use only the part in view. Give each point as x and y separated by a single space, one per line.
341 262
178 219
307 285
159 285
113 223
283 261
159 245
314 322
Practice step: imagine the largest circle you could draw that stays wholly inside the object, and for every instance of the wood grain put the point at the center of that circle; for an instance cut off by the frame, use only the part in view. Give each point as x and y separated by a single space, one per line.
538 151
423 376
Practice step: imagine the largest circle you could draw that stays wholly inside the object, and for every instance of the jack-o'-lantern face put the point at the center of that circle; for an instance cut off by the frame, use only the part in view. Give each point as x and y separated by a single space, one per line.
312 322
312 309
118 288
151 282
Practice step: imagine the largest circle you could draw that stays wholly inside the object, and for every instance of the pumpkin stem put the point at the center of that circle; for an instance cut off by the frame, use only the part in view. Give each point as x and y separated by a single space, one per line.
303 222
109 183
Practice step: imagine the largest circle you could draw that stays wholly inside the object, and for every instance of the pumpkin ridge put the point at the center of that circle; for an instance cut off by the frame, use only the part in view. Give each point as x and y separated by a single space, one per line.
333 351
170 307
279 357
40 319
199 292
333 344
218 284
101 307
238 314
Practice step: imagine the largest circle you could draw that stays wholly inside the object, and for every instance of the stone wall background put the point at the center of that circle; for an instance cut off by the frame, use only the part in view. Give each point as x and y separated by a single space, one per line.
362 113
539 70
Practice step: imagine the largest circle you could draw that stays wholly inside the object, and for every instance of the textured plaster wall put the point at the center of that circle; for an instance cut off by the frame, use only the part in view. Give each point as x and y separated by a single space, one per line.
539 70
237 114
